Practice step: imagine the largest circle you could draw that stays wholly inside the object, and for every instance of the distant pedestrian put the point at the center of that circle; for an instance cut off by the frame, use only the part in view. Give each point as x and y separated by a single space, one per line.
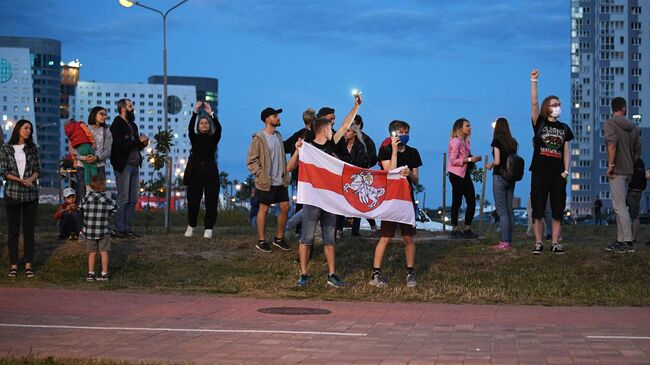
266 160
103 146
550 165
638 184
598 215
126 160
460 166
503 145
623 149
20 166
202 172
67 216
97 207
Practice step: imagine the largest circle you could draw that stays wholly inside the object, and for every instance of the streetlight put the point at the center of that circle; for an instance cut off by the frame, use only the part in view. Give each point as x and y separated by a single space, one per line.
168 174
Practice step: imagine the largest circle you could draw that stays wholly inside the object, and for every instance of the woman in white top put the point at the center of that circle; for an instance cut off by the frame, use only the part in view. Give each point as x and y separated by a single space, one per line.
20 166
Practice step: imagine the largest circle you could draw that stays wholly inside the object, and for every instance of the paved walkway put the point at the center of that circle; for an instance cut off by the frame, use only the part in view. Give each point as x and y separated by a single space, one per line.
208 329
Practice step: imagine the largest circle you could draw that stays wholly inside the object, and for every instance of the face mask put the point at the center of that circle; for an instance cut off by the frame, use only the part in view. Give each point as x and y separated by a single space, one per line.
404 138
556 111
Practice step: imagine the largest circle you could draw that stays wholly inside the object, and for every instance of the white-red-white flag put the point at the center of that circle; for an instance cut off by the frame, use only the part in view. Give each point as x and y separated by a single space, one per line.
340 188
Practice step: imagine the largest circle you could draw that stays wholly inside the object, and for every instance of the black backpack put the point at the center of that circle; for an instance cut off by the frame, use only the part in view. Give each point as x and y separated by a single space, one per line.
514 168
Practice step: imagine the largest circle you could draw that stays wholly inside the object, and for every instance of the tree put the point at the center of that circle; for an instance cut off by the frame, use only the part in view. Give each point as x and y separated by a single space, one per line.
223 180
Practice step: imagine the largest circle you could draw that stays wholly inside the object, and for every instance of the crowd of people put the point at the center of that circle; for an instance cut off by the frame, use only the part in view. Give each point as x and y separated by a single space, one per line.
87 208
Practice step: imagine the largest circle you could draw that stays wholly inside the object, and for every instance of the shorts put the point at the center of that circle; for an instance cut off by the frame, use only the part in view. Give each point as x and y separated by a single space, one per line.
102 244
277 194
310 217
542 185
388 229
633 201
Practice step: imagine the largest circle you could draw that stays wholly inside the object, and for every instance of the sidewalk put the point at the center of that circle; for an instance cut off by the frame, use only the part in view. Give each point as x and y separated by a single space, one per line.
209 329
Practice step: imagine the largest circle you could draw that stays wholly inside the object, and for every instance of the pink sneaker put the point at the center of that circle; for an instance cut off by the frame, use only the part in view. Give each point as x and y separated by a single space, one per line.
502 246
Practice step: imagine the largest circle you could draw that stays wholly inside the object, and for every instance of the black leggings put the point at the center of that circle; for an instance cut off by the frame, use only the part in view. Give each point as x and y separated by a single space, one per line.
205 180
462 187
27 212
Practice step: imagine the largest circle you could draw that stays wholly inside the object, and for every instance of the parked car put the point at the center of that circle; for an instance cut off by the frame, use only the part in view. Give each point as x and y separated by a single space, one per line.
422 221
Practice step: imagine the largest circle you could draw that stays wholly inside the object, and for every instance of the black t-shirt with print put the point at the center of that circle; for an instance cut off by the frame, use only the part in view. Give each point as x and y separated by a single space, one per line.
329 147
409 157
549 141
503 156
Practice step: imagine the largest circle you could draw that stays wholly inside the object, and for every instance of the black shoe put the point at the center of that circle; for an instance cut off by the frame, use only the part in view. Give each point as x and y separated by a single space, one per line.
120 235
280 243
468 234
456 235
133 234
102 277
629 246
263 246
90 276
539 247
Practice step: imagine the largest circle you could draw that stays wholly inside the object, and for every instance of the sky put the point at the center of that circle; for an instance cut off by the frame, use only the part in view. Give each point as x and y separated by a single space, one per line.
426 62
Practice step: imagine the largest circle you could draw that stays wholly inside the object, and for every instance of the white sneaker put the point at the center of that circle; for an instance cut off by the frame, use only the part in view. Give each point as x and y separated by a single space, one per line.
189 232
207 233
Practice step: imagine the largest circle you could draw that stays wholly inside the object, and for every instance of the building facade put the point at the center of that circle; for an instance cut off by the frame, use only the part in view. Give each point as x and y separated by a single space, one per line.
610 57
16 88
45 59
147 99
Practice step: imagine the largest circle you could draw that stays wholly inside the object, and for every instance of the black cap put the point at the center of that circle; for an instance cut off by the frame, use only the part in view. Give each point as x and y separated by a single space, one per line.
268 112
325 111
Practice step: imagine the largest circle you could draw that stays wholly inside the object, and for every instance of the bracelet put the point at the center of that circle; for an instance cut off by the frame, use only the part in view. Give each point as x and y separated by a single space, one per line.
533 80
611 165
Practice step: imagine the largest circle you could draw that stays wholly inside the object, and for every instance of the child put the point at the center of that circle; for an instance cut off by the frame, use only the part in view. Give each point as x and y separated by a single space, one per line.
67 216
97 206
82 140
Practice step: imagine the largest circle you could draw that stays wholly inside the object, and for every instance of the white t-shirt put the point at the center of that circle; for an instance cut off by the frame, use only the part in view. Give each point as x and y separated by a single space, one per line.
21 159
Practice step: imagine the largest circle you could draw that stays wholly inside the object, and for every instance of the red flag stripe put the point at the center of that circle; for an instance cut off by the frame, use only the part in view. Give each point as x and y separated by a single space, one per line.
321 178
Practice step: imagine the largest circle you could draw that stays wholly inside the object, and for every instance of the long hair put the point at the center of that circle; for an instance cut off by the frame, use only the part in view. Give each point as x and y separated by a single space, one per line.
92 117
15 135
544 110
456 129
359 135
503 135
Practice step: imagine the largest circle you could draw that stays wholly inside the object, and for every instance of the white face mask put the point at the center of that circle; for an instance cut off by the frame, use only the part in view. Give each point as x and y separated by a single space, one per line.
556 111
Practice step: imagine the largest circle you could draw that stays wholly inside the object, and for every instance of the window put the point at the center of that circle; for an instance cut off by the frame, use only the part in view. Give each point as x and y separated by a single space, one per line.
604 180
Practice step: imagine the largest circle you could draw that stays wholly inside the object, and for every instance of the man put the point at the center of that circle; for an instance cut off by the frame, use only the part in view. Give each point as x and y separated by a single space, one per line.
371 150
623 148
392 156
598 205
324 141
126 160
266 160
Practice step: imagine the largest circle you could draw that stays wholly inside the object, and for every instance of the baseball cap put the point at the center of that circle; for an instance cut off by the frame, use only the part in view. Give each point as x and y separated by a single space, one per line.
268 112
325 111
68 192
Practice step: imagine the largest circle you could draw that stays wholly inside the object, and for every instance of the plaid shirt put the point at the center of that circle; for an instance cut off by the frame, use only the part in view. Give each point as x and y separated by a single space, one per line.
8 165
97 207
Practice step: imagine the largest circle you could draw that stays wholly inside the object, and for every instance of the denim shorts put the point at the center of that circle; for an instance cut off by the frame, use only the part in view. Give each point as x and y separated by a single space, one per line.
310 217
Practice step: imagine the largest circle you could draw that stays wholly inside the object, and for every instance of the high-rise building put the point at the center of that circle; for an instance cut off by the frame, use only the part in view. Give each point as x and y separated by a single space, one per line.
45 59
610 57
207 88
16 88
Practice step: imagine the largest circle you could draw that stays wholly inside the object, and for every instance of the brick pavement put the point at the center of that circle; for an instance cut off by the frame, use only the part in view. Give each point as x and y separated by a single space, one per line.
164 327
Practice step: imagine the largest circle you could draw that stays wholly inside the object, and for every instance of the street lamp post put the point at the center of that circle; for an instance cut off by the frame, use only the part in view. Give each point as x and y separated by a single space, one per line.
168 177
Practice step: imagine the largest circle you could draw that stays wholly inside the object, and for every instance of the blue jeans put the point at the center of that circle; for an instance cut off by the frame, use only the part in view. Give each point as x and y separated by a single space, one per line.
310 217
128 185
503 193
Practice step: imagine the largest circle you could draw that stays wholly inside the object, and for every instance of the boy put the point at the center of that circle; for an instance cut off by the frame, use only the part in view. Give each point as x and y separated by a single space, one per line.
391 156
67 216
97 206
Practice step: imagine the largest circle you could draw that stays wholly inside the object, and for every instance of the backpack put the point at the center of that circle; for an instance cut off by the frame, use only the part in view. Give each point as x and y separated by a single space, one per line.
514 168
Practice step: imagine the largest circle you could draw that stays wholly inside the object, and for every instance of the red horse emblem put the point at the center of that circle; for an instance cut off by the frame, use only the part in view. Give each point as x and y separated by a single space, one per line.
364 189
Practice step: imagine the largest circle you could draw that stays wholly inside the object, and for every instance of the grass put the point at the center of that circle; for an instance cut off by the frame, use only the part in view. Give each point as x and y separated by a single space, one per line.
448 271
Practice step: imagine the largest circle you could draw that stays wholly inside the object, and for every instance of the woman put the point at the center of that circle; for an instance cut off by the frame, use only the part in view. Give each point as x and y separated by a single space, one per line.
550 165
352 145
20 166
103 143
460 158
201 173
502 146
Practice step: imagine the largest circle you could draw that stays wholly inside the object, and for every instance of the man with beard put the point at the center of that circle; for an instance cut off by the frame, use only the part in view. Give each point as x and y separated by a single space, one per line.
126 160
266 160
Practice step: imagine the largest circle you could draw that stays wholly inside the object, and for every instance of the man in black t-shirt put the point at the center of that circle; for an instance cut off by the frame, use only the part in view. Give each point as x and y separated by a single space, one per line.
392 156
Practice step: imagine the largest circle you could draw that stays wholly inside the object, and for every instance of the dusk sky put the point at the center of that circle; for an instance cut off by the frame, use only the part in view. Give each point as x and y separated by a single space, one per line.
425 62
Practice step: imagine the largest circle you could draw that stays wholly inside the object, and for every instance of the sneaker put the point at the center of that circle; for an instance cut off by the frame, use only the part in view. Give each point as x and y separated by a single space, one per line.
468 234
303 280
502 246
280 243
629 245
557 249
12 273
539 247
334 281
263 246
29 273
378 280
615 246
120 235
189 232
456 235
133 234
410 280
102 277
90 276
207 234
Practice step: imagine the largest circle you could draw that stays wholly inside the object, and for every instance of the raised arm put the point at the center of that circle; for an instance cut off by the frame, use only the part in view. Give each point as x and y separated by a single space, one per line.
347 122
534 98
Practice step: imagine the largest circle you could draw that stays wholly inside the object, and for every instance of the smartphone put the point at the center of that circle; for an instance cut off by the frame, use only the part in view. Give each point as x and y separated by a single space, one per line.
393 134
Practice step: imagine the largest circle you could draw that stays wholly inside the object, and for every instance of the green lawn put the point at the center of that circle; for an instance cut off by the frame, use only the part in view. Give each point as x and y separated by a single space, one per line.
447 271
